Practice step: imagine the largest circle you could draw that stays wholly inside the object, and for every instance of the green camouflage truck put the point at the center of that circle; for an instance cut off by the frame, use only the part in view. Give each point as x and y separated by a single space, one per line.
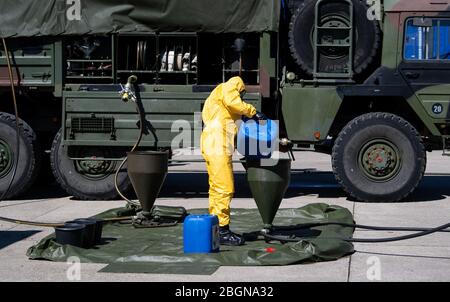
366 81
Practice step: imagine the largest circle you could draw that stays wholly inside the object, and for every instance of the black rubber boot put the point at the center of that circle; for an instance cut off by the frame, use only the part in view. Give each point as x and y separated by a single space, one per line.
227 237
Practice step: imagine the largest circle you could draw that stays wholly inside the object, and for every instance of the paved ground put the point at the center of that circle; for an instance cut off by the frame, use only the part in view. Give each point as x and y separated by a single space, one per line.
424 259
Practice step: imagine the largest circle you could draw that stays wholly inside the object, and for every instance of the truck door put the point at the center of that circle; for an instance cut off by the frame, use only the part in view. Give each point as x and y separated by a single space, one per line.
426 62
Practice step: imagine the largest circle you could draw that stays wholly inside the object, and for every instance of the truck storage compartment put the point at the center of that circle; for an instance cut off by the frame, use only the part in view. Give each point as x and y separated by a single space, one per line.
32 60
164 58
188 58
89 59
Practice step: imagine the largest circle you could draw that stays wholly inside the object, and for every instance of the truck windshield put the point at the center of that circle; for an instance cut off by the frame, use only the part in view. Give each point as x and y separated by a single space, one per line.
428 42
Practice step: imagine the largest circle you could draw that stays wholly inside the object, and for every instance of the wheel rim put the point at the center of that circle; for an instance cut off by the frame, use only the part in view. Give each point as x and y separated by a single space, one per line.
380 160
6 158
94 169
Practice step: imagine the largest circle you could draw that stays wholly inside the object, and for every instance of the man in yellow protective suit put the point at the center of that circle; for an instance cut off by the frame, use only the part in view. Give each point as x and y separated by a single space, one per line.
221 110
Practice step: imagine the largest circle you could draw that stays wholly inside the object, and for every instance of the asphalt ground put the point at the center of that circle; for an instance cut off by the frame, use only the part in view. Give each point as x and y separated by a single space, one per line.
421 259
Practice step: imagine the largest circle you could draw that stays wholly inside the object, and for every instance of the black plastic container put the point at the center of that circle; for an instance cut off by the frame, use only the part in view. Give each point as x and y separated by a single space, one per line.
89 231
70 233
98 228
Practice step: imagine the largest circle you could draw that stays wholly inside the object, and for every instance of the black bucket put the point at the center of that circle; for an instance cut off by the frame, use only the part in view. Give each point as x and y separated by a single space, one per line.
98 228
89 231
70 233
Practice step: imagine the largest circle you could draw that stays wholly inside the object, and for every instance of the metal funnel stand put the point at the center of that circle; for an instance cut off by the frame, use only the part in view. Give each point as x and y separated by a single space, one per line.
268 181
147 171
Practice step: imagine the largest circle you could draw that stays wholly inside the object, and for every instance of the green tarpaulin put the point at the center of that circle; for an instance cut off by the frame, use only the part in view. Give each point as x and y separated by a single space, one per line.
129 250
22 18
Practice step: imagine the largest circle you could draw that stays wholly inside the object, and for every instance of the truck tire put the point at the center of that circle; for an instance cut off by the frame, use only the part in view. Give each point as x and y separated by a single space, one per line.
379 157
29 157
366 37
84 180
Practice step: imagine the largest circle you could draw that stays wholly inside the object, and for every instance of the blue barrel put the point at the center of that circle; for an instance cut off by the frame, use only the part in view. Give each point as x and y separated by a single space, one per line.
257 139
201 234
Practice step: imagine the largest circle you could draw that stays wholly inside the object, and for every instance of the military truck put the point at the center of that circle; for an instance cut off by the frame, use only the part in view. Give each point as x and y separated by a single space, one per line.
365 81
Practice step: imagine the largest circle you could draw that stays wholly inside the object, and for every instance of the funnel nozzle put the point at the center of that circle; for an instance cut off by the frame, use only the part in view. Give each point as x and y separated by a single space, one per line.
147 171
268 184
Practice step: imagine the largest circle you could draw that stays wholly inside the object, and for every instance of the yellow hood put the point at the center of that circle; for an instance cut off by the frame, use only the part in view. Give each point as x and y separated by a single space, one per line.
235 83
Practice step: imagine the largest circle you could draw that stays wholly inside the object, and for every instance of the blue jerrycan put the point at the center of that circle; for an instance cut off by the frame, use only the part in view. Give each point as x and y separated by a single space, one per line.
257 139
201 234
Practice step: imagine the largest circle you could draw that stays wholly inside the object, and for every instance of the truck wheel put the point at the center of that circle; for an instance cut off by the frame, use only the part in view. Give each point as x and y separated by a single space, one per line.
85 179
29 157
334 59
379 157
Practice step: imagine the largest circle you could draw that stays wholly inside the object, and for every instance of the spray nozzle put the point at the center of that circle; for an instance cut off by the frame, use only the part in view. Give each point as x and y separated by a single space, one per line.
127 93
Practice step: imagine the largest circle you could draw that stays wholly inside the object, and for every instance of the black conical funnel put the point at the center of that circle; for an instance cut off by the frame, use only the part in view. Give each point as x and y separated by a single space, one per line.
268 184
147 171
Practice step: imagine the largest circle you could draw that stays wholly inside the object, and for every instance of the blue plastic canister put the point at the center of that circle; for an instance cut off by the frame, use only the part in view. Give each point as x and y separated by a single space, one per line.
201 234
257 139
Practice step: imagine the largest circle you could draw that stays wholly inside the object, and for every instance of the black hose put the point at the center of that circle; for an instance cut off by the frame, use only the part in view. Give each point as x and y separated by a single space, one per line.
116 175
400 238
425 232
131 81
357 226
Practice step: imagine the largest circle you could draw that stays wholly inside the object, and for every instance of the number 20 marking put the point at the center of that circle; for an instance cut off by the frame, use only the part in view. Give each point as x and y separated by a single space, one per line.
437 108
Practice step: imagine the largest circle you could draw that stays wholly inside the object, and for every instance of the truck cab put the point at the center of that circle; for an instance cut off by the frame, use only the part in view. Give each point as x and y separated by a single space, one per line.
379 113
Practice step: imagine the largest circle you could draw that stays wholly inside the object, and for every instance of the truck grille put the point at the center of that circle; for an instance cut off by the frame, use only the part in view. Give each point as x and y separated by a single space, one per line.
92 125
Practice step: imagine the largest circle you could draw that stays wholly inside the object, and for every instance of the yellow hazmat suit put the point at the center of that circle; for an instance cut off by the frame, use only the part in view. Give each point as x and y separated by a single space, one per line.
221 110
